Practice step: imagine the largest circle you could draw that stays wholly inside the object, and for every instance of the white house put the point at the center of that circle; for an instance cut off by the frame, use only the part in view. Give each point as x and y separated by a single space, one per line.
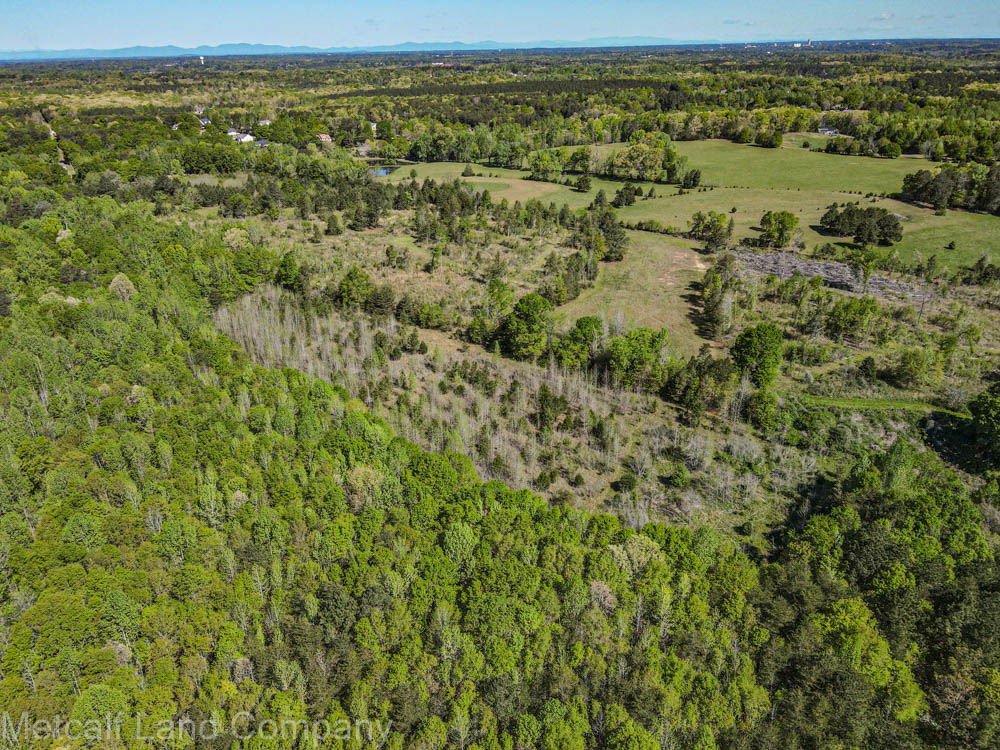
239 137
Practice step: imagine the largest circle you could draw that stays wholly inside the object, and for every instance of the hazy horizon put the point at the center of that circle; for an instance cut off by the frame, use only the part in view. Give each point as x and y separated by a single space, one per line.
58 25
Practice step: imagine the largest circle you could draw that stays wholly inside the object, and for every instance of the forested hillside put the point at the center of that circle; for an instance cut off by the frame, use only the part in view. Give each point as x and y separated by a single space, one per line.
192 535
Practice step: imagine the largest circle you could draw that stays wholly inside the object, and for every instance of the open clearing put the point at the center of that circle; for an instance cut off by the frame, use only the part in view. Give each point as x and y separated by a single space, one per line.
235 181
513 184
736 165
754 180
656 284
924 233
653 286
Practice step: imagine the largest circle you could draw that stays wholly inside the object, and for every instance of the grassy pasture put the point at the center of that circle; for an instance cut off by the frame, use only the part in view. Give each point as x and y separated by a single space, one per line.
728 164
755 180
805 182
924 233
795 140
652 286
736 165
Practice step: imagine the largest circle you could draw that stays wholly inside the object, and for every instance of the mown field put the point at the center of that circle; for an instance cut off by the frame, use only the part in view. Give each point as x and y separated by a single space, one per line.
735 165
924 233
746 181
655 285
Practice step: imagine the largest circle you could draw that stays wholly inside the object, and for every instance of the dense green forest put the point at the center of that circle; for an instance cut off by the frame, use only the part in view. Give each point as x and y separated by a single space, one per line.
289 442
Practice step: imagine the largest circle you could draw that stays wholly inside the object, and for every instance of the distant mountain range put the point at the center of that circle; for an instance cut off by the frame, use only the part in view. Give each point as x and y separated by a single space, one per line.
223 50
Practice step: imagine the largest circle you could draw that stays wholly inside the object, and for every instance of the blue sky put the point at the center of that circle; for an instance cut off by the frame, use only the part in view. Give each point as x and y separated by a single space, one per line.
61 24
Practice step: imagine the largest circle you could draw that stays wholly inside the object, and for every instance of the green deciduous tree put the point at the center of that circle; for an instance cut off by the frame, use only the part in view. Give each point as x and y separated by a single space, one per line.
757 353
778 228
